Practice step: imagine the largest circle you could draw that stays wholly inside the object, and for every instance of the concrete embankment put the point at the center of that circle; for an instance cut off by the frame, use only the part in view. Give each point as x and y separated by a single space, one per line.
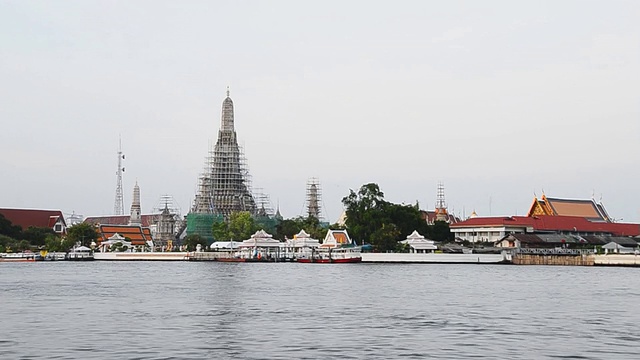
142 256
432 258
568 260
617 260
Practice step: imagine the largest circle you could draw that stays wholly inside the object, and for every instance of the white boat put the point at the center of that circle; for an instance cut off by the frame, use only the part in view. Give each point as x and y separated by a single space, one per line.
344 254
55 256
337 247
20 257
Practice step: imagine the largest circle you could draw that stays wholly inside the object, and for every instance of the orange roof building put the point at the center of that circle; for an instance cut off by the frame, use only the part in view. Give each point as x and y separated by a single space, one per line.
138 235
587 209
336 238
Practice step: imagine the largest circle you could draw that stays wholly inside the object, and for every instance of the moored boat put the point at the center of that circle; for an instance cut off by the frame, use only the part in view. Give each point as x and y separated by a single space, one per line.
20 257
347 254
336 248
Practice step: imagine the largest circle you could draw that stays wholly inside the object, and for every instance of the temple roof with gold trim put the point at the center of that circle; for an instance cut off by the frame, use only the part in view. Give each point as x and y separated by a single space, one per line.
587 209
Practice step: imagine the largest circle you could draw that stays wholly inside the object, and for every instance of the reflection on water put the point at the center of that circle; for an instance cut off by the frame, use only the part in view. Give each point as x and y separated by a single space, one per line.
182 310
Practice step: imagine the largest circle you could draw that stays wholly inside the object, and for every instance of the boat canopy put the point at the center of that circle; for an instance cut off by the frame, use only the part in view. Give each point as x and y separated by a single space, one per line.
225 245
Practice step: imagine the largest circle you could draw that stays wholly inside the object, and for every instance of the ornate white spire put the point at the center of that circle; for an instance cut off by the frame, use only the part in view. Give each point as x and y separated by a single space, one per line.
136 218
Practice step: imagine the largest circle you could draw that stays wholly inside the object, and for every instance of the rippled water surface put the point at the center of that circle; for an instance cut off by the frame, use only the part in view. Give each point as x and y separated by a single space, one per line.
186 310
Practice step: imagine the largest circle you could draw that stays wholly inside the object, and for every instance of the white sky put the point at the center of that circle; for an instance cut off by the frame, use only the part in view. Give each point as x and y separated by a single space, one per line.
497 99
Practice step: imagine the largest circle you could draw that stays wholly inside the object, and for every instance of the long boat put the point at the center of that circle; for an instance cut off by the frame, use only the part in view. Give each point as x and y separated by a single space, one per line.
20 257
338 255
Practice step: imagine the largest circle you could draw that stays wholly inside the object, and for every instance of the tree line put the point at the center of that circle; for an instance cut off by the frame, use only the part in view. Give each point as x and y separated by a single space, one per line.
370 220
15 239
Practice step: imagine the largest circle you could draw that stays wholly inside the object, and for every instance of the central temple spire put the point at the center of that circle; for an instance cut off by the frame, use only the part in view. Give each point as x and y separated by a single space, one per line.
227 115
224 187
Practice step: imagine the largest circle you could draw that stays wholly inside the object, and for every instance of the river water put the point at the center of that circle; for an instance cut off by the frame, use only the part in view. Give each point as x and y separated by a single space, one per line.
208 310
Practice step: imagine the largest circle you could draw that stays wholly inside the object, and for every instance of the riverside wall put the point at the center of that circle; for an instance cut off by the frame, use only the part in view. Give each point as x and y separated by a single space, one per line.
141 256
433 258
566 260
617 260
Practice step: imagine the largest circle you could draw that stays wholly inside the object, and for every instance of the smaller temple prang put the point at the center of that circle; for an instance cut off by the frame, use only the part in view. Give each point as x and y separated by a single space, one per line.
136 218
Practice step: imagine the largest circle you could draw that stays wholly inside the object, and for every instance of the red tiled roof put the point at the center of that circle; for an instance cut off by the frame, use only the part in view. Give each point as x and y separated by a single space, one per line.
553 223
31 217
146 219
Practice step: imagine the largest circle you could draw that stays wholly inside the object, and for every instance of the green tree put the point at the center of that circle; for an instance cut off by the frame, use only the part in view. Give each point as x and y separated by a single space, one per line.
406 218
8 229
385 238
439 231
241 225
6 243
365 211
37 235
191 242
287 228
23 245
290 227
82 233
383 224
220 230
55 243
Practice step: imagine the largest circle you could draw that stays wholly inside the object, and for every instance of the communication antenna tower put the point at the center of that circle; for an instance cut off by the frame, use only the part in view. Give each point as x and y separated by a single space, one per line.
118 207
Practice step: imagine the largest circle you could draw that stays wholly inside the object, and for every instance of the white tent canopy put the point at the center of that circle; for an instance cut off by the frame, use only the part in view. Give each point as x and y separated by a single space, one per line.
81 249
229 245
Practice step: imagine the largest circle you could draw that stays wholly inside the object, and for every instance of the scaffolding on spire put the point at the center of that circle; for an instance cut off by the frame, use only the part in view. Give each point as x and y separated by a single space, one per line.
441 205
313 199
118 207
225 184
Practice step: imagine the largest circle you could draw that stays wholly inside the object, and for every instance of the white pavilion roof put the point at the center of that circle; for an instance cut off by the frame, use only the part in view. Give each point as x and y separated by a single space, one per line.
419 242
261 239
302 239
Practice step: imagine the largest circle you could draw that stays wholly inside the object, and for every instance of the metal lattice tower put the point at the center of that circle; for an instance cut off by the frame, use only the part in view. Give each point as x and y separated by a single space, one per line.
225 185
313 199
118 207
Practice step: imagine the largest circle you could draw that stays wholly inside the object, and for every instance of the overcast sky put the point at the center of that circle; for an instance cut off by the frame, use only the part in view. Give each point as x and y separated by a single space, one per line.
497 99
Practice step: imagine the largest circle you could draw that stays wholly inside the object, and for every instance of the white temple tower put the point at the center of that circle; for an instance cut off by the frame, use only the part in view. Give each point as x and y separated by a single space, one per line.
136 217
